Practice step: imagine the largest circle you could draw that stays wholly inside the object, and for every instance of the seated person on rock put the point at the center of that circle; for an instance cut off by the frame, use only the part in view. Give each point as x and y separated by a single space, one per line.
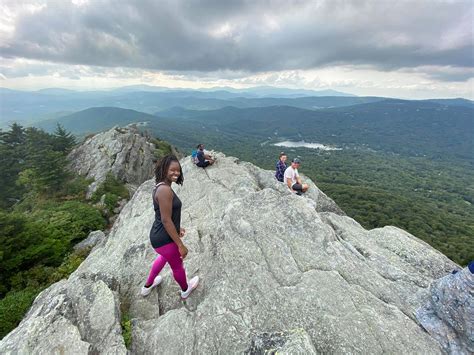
292 178
204 160
281 167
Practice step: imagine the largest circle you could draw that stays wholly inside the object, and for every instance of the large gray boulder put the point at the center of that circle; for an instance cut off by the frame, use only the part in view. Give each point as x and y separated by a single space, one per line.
449 314
122 151
279 272
91 241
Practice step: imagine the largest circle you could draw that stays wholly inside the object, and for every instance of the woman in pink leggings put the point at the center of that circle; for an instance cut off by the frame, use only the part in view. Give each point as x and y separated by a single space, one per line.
166 233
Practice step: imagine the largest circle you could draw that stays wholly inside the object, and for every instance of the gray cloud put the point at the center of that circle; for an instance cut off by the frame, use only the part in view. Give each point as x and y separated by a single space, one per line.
249 37
446 74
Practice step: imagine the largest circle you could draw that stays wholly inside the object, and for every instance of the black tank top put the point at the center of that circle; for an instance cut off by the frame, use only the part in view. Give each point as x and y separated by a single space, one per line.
158 234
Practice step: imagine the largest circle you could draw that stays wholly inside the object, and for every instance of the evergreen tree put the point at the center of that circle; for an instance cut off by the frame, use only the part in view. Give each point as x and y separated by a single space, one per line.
12 161
46 166
63 140
16 136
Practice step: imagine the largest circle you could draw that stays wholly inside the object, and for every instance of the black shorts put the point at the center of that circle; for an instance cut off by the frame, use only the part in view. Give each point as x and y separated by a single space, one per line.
297 187
204 164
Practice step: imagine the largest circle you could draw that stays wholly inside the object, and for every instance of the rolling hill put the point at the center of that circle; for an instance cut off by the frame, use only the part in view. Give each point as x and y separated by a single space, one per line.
96 119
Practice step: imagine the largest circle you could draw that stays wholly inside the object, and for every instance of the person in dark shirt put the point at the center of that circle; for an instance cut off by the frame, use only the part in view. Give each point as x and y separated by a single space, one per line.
166 232
281 167
204 160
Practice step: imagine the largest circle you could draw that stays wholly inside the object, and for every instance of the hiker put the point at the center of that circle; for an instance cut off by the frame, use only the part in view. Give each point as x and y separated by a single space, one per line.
204 160
292 178
281 167
166 232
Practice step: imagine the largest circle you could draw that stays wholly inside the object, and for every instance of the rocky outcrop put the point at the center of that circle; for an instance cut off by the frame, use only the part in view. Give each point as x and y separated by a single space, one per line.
122 151
278 271
91 241
449 314
78 317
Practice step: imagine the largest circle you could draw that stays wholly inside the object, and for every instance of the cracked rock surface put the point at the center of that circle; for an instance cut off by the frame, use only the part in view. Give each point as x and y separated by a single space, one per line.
278 271
449 314
121 151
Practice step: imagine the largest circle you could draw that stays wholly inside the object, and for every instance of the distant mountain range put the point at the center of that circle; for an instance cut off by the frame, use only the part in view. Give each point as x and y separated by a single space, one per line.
29 107
397 126
258 91
419 127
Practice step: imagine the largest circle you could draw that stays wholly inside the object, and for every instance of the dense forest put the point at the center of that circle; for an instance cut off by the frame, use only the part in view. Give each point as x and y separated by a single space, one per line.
43 213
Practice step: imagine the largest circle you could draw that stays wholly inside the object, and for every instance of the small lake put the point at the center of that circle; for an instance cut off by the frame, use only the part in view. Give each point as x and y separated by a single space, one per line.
303 144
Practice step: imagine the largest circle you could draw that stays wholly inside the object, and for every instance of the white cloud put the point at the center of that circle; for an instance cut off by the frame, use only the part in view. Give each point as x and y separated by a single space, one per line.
351 79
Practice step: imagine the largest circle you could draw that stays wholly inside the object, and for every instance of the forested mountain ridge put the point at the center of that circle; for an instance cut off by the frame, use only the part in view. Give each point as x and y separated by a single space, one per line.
396 126
95 119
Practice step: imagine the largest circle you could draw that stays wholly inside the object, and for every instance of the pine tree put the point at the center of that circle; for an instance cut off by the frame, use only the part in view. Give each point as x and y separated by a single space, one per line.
12 161
45 165
63 140
16 136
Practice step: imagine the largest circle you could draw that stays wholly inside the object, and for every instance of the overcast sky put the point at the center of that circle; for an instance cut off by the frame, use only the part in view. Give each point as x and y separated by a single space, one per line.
410 49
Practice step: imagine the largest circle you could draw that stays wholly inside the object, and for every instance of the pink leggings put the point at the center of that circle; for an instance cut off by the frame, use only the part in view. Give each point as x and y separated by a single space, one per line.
169 253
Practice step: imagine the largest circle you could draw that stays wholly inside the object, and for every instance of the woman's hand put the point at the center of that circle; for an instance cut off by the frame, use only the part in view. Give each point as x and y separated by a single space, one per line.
182 232
183 251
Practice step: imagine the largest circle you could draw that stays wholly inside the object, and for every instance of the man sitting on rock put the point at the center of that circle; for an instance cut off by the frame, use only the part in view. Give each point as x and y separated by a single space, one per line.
204 160
292 178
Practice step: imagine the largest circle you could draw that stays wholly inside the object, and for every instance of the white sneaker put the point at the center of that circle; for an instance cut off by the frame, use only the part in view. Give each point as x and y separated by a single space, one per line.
192 284
146 290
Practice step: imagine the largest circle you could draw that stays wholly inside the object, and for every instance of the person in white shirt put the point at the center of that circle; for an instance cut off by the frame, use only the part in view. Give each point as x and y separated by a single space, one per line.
292 178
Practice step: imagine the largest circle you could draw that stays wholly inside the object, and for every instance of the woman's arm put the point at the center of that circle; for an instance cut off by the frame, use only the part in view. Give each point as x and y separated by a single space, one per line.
208 157
164 197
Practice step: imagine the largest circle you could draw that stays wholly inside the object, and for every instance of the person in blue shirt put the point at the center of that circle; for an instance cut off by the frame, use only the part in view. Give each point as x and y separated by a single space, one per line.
204 160
281 167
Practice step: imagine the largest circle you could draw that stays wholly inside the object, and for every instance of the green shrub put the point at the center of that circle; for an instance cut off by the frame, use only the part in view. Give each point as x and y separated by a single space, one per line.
162 148
113 189
126 324
42 238
111 185
76 188
71 219
110 201
14 307
36 277
69 265
28 284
